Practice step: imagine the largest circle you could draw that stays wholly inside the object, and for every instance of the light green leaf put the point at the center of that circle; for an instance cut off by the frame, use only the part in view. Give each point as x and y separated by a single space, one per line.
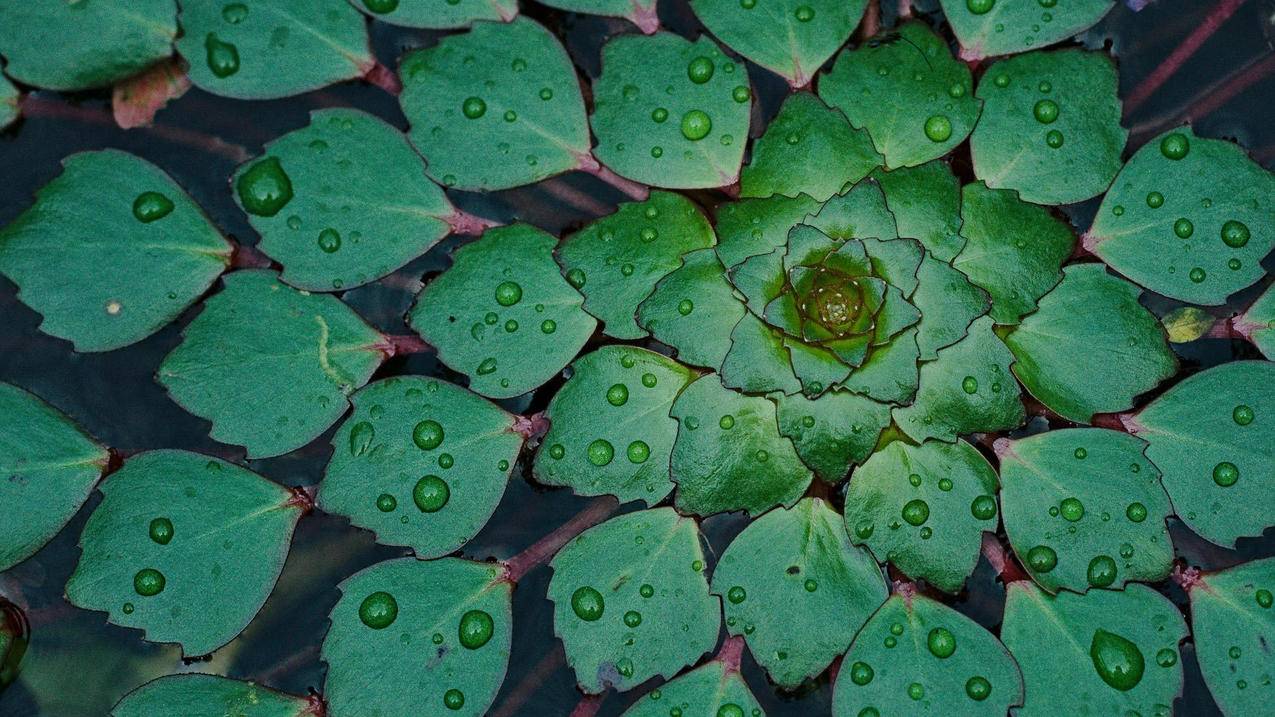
10 99
503 314
1234 626
201 695
759 360
609 425
268 365
436 16
421 463
1258 323
751 227
1124 353
791 38
797 590
860 213
706 690
419 637
948 303
699 329
638 12
1186 324
926 203
184 547
986 28
630 601
834 432
109 208
512 118
1050 126
890 374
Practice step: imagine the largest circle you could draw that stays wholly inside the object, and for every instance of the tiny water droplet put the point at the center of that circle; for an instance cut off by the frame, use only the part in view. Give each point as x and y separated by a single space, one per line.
618 395
386 503
1242 415
1235 234
969 385
1136 512
685 307
1155 200
453 699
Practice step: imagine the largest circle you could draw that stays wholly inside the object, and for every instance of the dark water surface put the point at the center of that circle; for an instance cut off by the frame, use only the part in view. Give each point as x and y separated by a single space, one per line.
77 665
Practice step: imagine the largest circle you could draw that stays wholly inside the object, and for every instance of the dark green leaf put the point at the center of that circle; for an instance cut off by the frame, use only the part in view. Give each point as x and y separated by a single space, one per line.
699 329
986 28
948 303
759 360
200 695
833 433
638 12
859 213
926 203
705 690
434 15
750 227
1234 626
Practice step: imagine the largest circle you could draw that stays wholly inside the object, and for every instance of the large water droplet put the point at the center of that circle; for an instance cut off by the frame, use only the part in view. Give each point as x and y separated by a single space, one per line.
1042 558
222 57
1118 661
696 125
1175 146
587 604
1045 111
978 688
265 188
1102 571
638 452
1226 474
1235 234
861 673
938 128
736 595
329 241
430 494
1136 512
982 507
508 293
700 70
618 395
151 206
600 452
427 435
979 7
1071 509
473 107
916 511
161 530
476 628
942 642
148 582
453 699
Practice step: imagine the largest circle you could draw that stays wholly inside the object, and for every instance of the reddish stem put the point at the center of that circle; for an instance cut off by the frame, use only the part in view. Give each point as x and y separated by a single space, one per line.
469 224
246 256
532 428
383 77
574 198
1219 15
303 498
404 344
1186 577
645 17
634 190
530 683
548 546
905 9
1211 100
315 706
731 653
1113 421
1001 561
871 24
588 705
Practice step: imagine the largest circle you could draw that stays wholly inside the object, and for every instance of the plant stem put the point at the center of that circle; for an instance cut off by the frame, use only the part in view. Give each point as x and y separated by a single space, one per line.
303 498
383 77
731 653
588 705
645 17
1209 101
548 546
905 9
532 428
634 190
580 201
871 24
530 683
404 344
1001 561
1185 577
469 224
1219 15
247 256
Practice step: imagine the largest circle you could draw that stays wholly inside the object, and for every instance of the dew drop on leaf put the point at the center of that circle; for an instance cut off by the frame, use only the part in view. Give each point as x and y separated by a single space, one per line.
685 307
508 293
916 691
222 57
1136 512
1071 509
386 503
381 7
938 128
861 673
476 628
1054 139
1042 558
430 494
730 709
1235 234
1118 661
548 326
236 12
148 582
916 511
736 595
454 699
638 452
329 241
942 642
618 395
1264 598
980 7
265 188
1045 111
1155 200
473 107
427 435
1226 474
632 618
587 604
982 507
161 530
1175 146
151 206
1102 571
1183 228
600 452
378 610
696 125
700 70
969 385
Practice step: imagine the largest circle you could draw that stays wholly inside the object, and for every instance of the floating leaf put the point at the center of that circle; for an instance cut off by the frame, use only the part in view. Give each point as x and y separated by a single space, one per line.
1213 437
109 208
1186 324
791 38
750 227
200 695
261 49
1258 323
986 28
729 454
926 202
710 690
1105 652
1188 217
421 463
184 547
1013 250
699 328
503 314
437 16
49 467
79 46
630 601
833 433
270 366
941 660
948 303
1124 350
797 590
1084 508
671 113
136 101
357 204
419 637
639 12
617 260
1050 126
514 119
905 88
1234 626
10 100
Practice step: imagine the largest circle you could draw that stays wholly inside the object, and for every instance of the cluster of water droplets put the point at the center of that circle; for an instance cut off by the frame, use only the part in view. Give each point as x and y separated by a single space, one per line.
695 123
982 7
600 452
941 643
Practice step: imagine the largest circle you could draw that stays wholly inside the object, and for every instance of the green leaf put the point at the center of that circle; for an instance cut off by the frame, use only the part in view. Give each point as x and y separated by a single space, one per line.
515 118
1013 250
1234 626
262 49
791 38
948 303
503 314
79 46
751 227
436 16
926 203
638 12
967 389
699 329
1077 365
986 28
1050 126
1258 323
621 257
890 374
49 466
419 637
1186 324
940 660
1188 217
834 432
797 590
729 454
807 149
420 462
10 100
669 112
630 601
183 547
860 213
1102 653
340 227
906 89
609 425
708 690
1084 508
1213 437
296 356
201 695
111 209
759 360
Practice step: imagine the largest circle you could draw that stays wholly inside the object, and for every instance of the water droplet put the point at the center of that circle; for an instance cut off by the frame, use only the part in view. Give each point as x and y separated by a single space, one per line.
646 591
914 480
430 494
575 277
945 484
1136 512
587 604
1118 661
453 699
1226 474
696 125
942 642
236 12
726 422
265 188
600 452
1235 234
736 595
1055 139
427 435
381 7
329 241
659 114
161 530
979 7
1264 598
891 641
1233 264
741 94
445 460
896 628
761 456
863 529
618 395
556 451
151 206
1042 559
1166 658
1071 509
473 107
730 709
969 384
700 70
1001 80
632 618
916 511
649 380
378 610
127 608
548 326
148 582
1175 146
476 628
486 366
938 128
657 152
983 507
386 503
810 585
1183 228
638 452
508 293
1242 415
804 13
1102 571
1045 111
1155 200
916 691
1197 275
222 57
511 116
861 673
685 307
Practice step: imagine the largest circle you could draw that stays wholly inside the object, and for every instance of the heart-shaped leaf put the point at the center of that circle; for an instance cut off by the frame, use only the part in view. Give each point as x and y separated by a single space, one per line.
1258 323
1234 626
729 454
49 466
917 656
437 16
609 425
630 601
926 203
834 432
1213 437
1125 353
261 49
517 119
710 690
699 328
503 314
1105 652
669 112
419 637
270 366
1084 508
9 102
184 547
986 28
109 208
201 695
1188 217
79 46
420 462
1050 126
750 227
797 590
639 12
949 488
905 88
948 303
337 226
617 260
